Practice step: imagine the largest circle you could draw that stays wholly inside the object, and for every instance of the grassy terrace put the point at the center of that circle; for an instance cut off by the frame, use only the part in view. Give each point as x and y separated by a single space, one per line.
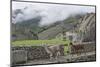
38 42
41 42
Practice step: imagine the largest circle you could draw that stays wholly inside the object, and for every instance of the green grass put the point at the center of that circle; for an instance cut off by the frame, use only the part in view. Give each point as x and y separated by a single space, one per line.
38 42
42 42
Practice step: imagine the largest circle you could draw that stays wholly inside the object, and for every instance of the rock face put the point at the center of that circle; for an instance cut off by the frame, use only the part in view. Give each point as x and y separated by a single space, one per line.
87 27
85 30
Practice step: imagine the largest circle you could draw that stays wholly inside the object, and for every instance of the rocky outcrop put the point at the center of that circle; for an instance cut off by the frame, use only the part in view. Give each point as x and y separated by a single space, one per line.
87 27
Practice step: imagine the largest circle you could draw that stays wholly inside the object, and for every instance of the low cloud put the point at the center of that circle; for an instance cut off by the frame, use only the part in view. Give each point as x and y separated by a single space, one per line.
50 13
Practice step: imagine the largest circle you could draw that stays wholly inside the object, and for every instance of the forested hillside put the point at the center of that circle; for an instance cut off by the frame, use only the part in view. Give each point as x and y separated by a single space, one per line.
83 24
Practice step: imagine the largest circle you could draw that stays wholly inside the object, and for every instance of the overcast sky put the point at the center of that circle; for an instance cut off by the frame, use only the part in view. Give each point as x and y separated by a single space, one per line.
49 12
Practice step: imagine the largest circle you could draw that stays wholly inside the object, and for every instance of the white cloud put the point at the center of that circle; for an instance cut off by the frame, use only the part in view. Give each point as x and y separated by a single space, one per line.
49 12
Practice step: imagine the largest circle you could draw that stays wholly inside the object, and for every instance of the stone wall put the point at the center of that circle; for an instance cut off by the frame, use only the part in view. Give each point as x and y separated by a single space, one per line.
31 53
19 56
87 47
24 54
37 53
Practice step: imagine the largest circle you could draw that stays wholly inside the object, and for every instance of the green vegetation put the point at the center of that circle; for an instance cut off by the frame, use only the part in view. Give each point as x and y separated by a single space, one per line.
65 50
38 42
25 30
42 42
71 20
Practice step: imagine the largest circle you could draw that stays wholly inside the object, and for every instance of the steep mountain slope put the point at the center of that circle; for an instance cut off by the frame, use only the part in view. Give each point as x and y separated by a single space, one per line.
84 25
25 30
87 27
59 27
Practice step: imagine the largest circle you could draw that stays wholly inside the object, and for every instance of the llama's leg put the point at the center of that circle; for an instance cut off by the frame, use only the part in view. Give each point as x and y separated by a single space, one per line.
58 54
51 56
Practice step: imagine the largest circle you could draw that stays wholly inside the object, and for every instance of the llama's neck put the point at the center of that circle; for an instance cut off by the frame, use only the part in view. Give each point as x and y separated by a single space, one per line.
47 49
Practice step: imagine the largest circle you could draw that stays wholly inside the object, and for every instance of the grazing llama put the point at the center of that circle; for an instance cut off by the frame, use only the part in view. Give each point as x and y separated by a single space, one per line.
54 51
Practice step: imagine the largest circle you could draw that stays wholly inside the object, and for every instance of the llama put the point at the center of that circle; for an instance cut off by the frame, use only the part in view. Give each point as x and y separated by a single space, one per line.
54 51
78 49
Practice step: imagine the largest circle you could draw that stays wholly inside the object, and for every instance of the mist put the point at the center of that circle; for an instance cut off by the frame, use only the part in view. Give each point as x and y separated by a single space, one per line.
49 13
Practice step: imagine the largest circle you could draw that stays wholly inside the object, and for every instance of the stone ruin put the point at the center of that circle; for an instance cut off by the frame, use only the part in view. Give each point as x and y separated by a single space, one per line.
24 54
